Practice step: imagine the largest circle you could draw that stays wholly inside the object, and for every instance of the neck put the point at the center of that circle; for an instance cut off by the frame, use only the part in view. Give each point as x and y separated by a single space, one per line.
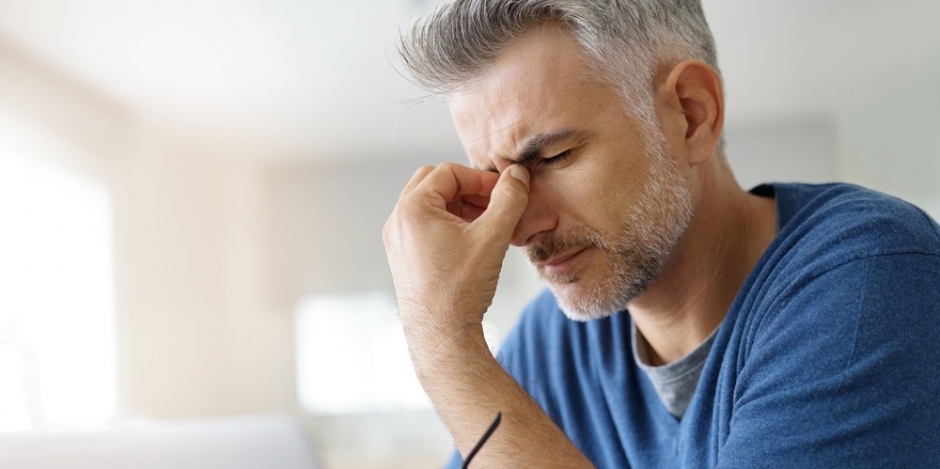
688 300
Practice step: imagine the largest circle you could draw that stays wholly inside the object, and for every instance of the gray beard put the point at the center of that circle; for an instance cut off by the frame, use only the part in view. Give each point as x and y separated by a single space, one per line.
635 256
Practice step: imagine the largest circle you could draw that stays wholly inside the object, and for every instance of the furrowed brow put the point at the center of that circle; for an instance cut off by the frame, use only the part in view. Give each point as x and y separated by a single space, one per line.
538 144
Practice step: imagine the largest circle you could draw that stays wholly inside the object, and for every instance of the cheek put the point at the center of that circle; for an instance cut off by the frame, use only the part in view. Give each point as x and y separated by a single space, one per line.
623 181
599 197
571 196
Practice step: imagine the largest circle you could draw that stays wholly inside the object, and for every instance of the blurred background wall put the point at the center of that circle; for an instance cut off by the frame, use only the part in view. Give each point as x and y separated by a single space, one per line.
251 152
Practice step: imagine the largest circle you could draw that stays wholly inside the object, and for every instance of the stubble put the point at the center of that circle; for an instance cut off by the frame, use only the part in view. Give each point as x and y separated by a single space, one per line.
635 256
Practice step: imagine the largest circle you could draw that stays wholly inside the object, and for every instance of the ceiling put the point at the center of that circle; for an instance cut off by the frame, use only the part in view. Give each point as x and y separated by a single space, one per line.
315 79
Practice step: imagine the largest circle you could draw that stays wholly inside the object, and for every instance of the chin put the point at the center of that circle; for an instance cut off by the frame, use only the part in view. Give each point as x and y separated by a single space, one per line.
583 304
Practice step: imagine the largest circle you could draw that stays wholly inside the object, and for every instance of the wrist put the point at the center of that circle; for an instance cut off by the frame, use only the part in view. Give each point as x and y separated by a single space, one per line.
439 323
456 345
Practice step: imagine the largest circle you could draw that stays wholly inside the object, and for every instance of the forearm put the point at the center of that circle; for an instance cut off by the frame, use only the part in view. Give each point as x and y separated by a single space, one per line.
446 241
468 387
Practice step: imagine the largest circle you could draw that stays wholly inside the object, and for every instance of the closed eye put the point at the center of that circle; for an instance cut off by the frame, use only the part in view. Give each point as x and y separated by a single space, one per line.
557 158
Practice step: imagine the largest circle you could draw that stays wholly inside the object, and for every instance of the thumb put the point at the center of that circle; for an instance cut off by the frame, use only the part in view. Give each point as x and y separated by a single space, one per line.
507 202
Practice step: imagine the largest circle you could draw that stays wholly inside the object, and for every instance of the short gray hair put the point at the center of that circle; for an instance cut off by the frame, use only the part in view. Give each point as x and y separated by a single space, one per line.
627 40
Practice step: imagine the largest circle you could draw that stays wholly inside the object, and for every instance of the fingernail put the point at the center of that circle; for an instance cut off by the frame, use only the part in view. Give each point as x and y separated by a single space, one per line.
519 173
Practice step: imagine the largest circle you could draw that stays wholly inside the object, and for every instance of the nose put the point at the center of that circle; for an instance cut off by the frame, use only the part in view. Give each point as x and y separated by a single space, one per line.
538 219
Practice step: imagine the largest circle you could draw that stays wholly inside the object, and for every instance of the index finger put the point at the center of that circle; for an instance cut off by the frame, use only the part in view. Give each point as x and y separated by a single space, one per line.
416 178
450 181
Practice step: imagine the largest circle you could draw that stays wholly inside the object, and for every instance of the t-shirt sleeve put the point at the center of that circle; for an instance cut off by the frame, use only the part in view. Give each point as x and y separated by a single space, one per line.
842 371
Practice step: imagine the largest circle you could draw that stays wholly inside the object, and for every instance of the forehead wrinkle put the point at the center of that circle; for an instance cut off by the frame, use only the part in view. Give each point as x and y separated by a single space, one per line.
500 136
483 146
508 135
517 128
500 122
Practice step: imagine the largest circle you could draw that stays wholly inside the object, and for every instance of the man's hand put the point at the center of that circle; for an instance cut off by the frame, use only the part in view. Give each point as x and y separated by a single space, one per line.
446 240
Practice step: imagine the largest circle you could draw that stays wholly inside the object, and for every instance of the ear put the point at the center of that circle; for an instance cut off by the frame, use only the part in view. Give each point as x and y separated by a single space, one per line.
692 106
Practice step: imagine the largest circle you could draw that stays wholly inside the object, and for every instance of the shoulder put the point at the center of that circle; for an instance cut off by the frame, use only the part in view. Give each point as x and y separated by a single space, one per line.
844 251
835 223
851 278
837 234
833 344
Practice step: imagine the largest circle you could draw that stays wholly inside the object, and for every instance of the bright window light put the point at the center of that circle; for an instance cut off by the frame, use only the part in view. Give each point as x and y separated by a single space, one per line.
352 356
57 328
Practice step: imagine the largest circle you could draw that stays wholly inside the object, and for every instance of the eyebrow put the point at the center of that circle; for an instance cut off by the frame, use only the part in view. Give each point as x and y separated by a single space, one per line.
537 145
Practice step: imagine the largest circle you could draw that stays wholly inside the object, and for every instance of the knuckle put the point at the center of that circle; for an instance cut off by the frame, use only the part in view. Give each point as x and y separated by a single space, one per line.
386 232
406 206
389 232
409 212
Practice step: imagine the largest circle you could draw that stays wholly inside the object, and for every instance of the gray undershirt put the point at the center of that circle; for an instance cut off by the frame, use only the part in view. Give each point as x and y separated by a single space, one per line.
675 383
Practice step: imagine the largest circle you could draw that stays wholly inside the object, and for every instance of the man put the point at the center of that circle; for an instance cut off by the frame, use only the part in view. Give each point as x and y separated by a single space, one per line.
688 323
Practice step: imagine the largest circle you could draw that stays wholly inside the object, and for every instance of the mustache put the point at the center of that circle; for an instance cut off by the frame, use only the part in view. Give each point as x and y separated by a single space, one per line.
552 244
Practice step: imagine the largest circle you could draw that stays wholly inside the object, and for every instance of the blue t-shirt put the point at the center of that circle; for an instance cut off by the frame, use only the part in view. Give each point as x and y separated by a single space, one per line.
827 358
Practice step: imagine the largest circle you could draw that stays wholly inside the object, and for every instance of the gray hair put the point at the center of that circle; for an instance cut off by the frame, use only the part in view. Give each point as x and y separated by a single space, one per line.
627 40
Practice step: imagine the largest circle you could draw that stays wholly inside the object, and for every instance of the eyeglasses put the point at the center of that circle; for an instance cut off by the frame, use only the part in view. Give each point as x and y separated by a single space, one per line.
486 436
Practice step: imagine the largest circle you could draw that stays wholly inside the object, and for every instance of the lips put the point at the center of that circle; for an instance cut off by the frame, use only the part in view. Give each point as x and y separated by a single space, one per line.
560 262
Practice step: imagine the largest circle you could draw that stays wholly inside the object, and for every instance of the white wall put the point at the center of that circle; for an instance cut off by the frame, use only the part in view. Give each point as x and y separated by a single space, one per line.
47 116
796 151
890 139
196 336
